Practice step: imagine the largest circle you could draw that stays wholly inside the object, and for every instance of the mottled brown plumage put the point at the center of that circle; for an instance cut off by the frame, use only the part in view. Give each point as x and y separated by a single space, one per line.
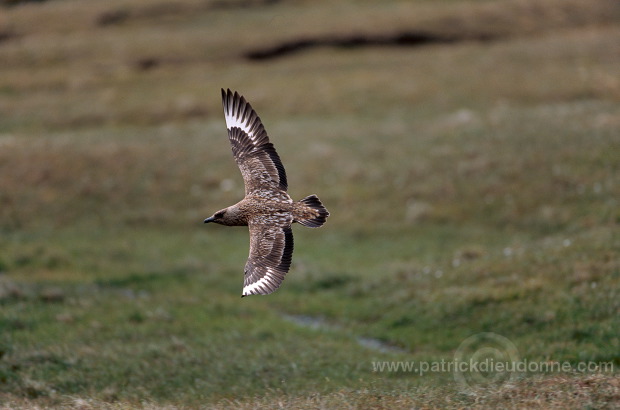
267 208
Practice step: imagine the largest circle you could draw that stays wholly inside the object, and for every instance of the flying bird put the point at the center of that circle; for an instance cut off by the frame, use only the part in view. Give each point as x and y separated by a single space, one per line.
267 209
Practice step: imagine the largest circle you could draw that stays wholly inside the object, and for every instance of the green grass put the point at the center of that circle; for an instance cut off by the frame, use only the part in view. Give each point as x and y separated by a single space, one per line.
473 188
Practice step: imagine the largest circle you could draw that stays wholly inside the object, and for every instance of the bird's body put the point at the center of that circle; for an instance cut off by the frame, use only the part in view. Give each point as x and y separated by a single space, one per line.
267 208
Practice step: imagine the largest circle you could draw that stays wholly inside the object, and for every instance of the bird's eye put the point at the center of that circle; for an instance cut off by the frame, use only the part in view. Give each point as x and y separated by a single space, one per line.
219 214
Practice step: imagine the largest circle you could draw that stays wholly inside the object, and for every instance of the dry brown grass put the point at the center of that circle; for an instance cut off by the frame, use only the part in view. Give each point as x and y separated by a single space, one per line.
543 392
550 392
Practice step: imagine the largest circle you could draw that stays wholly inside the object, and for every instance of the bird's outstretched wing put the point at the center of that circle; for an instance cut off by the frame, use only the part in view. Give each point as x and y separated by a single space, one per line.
256 157
271 250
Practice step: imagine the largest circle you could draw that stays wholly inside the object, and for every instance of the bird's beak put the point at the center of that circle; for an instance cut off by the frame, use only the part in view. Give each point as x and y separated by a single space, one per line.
211 219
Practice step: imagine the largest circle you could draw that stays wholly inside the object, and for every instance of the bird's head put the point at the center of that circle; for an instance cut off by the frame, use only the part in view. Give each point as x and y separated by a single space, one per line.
231 216
219 217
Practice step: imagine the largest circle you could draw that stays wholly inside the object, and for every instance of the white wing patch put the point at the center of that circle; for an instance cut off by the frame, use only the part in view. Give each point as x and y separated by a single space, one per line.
261 284
239 114
232 121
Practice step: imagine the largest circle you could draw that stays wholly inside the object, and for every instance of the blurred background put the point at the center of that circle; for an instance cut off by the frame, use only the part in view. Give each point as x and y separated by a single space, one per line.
468 151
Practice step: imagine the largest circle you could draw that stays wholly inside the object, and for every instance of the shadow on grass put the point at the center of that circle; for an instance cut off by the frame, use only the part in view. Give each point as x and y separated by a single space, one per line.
403 39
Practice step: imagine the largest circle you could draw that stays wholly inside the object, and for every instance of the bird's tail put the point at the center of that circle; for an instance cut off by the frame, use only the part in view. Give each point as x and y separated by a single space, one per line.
310 212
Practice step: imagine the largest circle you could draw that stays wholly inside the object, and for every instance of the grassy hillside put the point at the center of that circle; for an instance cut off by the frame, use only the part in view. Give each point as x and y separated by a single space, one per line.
473 180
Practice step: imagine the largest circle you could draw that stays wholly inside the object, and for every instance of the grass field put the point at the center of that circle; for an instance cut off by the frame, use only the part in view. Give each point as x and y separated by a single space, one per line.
473 186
